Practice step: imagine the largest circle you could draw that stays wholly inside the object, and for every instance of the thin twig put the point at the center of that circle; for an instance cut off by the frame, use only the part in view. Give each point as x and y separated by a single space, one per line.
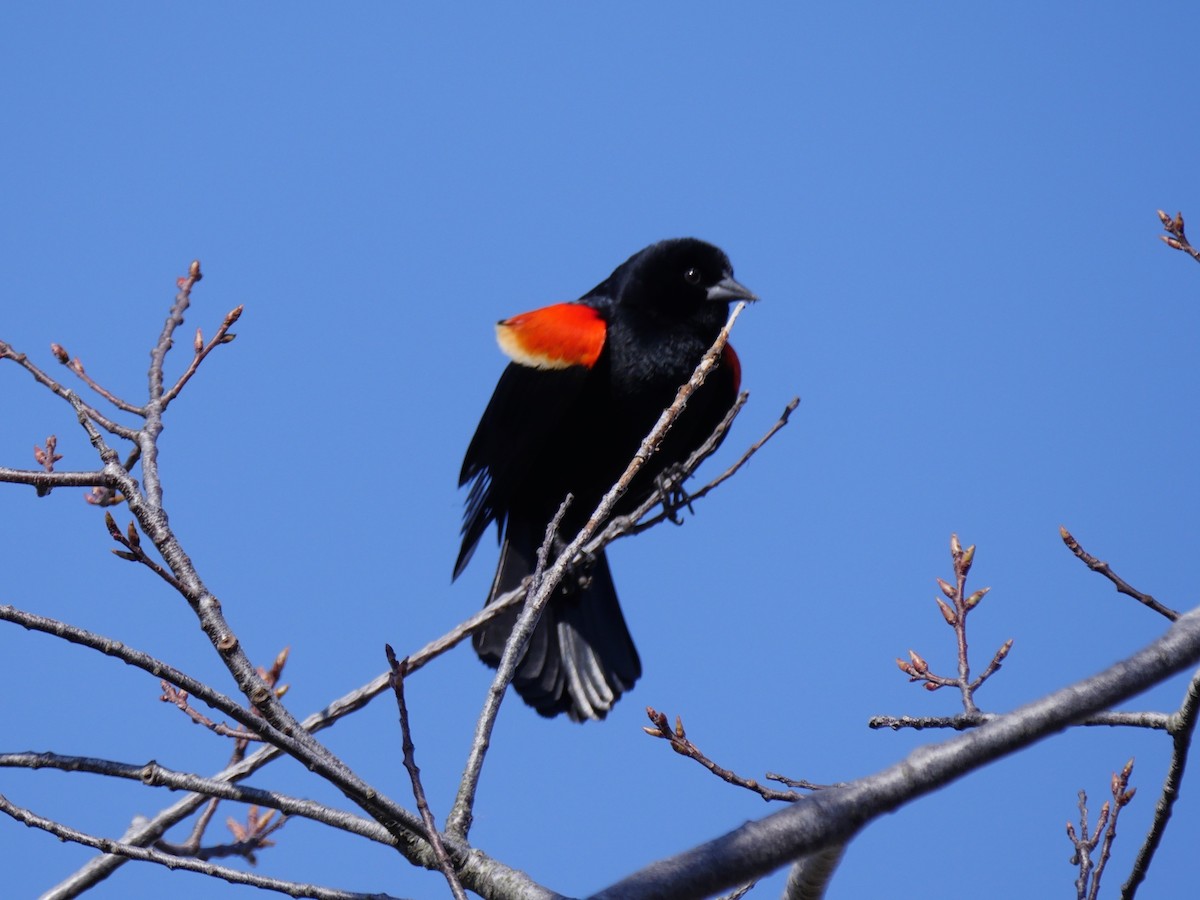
636 521
133 551
248 839
1175 237
414 774
76 366
137 658
1119 583
201 353
166 339
1121 795
917 669
179 699
113 428
459 821
802 783
680 743
233 876
1087 884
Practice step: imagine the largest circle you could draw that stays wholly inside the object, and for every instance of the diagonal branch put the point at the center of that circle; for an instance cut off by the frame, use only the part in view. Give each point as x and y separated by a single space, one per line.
1182 727
154 775
458 822
113 428
1122 586
833 816
233 876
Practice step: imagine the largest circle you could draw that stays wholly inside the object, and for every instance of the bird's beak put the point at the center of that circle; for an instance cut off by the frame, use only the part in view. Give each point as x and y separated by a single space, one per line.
727 289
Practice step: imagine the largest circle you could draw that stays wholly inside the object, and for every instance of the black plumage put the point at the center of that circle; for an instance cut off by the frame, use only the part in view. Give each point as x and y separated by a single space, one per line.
561 421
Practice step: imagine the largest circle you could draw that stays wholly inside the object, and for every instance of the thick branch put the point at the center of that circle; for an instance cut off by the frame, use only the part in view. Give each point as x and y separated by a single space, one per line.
832 816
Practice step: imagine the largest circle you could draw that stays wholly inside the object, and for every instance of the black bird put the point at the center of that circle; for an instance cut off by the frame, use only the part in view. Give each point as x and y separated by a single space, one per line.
588 381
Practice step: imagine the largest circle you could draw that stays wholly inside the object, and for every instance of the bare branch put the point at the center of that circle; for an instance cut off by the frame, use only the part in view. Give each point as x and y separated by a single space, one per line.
166 340
154 775
179 699
76 366
828 817
915 666
202 350
113 428
414 774
1087 885
809 877
137 658
1152 720
233 876
680 743
1119 583
46 481
133 551
1182 726
459 821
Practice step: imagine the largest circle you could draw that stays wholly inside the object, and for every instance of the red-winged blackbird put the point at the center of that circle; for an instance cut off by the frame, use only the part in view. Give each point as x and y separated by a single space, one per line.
588 381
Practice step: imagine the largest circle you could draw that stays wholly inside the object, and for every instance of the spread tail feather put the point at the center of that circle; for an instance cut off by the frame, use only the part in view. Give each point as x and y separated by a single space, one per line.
580 658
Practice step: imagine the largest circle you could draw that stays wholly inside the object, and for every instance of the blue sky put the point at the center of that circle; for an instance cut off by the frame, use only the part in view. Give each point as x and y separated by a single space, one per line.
949 215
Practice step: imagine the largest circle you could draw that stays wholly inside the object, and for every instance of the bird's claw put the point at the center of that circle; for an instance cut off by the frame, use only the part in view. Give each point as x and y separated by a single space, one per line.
674 498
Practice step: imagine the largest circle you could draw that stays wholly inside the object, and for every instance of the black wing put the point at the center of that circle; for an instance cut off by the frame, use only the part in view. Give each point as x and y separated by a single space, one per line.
526 410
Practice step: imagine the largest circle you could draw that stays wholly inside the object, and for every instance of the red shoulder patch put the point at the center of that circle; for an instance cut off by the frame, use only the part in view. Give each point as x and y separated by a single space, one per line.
554 337
730 358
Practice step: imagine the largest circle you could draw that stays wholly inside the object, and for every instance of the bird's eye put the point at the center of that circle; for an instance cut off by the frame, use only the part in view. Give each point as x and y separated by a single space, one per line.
692 275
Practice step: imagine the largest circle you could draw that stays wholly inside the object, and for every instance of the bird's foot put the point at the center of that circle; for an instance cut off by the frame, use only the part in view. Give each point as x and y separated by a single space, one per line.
674 498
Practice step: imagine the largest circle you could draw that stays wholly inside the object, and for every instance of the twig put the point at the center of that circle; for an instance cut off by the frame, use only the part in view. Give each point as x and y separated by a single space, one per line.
740 892
201 352
539 593
248 839
233 876
801 783
917 669
1182 727
133 551
113 428
414 774
1175 237
179 699
1119 583
635 522
166 340
1087 885
133 657
76 366
679 742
